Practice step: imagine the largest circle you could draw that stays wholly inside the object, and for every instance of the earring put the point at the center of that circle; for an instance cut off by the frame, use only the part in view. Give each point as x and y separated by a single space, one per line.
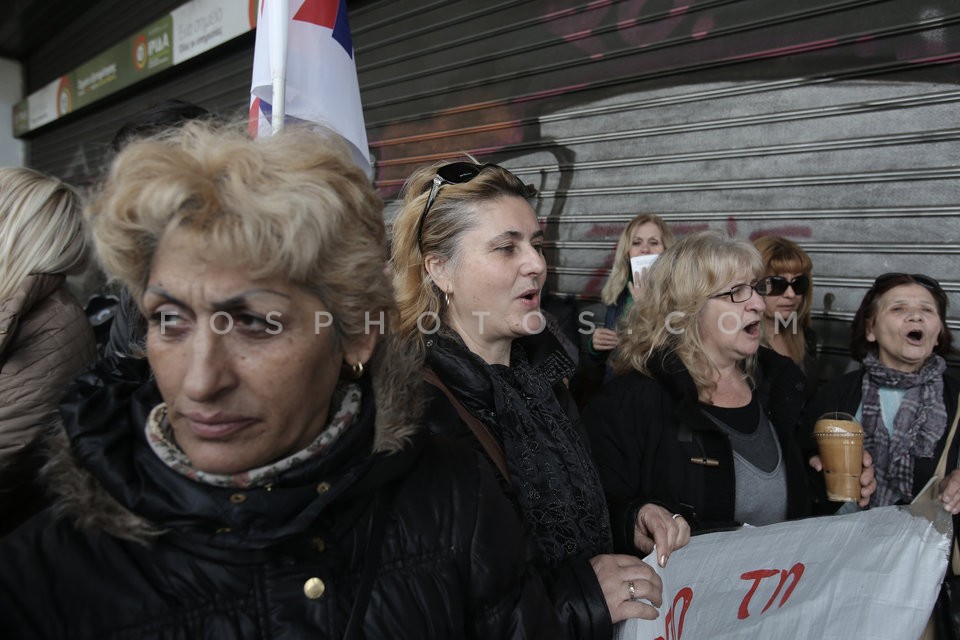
356 370
446 297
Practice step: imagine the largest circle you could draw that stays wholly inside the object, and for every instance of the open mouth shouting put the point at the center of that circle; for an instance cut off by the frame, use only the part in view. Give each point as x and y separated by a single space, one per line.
915 337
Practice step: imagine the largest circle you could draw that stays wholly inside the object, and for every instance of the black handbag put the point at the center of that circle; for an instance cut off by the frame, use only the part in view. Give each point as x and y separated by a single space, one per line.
945 618
946 612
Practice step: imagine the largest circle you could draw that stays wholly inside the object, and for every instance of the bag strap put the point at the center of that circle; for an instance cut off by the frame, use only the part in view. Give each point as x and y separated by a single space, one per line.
490 445
941 471
382 506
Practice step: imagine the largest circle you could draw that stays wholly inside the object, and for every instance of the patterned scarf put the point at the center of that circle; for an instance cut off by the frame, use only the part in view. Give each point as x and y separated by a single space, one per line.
917 428
160 437
556 484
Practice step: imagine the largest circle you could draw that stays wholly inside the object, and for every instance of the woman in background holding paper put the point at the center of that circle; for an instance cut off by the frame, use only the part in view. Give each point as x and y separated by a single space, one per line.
645 237
701 418
903 395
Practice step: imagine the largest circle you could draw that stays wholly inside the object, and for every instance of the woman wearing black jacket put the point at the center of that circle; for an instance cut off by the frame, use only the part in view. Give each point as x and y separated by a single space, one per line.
701 419
469 271
271 480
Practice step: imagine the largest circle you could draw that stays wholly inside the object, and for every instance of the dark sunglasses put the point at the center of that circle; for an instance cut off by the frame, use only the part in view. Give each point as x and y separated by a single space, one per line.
925 281
777 285
453 173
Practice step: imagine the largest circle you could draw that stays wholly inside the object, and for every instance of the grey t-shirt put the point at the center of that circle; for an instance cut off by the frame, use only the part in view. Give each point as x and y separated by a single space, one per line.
761 479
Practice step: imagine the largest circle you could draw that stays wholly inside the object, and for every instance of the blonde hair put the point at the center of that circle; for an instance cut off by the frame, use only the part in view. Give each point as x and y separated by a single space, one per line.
41 228
678 286
620 272
453 213
785 256
290 206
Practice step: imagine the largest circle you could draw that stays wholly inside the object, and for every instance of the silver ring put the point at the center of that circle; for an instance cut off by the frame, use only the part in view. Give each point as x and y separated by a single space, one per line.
632 588
676 515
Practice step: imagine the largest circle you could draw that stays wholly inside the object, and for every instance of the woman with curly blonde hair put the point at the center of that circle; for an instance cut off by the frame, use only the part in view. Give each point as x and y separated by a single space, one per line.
702 419
272 478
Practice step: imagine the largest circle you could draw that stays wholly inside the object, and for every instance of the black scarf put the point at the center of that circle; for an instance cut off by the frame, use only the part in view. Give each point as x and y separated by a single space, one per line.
556 484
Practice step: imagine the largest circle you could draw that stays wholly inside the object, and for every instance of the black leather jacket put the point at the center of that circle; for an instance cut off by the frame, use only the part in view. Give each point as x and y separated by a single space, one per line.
572 585
143 552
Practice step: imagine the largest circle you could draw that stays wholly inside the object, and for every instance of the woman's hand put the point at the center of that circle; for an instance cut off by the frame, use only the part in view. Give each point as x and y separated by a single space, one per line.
868 481
868 478
658 527
604 339
625 581
950 492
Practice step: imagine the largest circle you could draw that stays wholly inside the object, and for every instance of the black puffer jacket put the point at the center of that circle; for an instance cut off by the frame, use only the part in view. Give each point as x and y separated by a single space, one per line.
572 584
647 431
144 552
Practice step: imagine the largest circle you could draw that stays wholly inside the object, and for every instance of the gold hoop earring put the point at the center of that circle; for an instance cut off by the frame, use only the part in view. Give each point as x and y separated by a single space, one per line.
356 370
446 298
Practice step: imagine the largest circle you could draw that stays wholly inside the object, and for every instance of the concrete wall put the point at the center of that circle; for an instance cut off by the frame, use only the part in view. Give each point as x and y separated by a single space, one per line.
11 92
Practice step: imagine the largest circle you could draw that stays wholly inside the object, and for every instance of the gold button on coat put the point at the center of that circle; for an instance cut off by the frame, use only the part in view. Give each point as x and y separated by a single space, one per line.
323 487
314 588
237 498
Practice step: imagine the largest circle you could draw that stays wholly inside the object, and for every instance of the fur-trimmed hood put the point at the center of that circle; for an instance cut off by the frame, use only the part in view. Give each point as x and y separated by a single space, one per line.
104 476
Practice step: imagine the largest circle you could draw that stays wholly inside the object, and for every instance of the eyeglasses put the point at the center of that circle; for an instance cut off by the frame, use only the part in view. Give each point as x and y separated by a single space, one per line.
742 292
453 173
925 281
777 285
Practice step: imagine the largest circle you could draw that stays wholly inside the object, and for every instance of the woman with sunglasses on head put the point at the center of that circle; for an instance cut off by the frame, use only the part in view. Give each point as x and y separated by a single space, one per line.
787 328
701 417
469 268
902 395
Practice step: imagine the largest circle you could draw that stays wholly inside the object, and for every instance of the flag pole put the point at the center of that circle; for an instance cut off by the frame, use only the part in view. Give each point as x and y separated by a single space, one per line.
279 27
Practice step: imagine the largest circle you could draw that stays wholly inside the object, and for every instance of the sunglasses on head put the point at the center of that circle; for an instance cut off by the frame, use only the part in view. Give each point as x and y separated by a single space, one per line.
777 285
453 173
925 281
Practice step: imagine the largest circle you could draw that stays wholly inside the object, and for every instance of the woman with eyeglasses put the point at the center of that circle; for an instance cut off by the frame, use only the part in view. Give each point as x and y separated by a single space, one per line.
701 417
902 395
787 328
469 268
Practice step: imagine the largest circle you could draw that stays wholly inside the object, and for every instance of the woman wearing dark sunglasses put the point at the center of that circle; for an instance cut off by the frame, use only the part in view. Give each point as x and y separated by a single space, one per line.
469 268
903 395
701 418
787 328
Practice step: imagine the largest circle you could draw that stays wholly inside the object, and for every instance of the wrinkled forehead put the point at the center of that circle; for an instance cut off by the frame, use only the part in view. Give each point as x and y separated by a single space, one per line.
911 292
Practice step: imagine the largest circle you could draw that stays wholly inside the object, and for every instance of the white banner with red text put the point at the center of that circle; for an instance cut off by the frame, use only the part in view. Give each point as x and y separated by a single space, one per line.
872 574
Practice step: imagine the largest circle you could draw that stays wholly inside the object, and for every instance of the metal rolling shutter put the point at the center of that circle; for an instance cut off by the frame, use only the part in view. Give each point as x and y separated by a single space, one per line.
831 122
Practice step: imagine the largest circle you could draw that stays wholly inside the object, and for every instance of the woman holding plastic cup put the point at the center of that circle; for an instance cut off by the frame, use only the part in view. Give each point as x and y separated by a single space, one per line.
902 395
701 418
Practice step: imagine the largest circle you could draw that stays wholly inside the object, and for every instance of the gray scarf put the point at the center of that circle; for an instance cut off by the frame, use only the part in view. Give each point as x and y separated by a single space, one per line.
917 428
